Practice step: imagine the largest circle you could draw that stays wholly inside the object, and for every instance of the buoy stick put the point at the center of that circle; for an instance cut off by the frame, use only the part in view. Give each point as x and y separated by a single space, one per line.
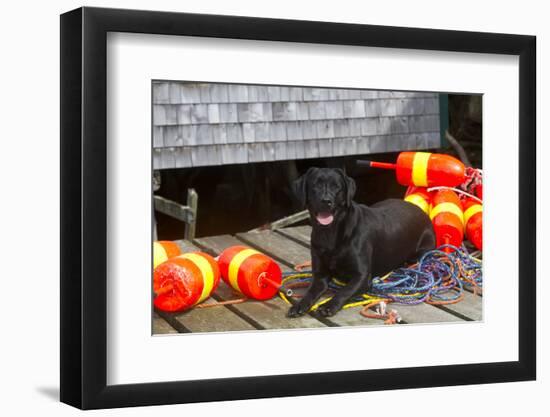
222 303
447 241
165 289
373 164
263 280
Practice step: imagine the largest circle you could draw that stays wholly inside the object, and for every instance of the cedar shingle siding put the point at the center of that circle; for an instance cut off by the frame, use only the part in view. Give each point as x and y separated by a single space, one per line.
199 124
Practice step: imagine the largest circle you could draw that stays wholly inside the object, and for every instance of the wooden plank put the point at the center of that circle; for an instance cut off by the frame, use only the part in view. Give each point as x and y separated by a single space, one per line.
269 314
186 246
470 307
293 253
286 221
160 326
212 319
301 234
273 244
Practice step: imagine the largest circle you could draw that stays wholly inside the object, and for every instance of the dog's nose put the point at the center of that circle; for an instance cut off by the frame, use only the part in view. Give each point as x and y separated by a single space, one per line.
327 202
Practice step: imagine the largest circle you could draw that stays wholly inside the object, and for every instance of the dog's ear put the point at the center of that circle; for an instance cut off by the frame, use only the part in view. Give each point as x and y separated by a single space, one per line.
299 187
350 189
349 186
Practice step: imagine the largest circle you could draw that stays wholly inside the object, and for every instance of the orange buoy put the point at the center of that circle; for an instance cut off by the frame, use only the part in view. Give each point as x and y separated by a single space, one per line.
473 222
164 250
478 190
424 169
250 272
185 281
447 218
420 197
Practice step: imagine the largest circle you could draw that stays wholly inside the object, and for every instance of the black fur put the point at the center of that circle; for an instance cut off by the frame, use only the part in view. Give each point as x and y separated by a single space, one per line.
361 242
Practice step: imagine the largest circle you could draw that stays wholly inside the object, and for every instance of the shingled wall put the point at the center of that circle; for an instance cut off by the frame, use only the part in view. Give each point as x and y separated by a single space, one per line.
199 124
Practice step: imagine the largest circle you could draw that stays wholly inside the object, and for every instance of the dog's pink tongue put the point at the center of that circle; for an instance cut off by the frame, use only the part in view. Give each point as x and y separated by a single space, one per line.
325 218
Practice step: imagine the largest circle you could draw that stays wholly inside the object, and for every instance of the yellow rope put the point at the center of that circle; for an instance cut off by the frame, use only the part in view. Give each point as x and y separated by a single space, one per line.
367 297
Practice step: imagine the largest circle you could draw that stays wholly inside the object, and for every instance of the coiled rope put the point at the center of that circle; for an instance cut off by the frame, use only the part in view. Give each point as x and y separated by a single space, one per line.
437 278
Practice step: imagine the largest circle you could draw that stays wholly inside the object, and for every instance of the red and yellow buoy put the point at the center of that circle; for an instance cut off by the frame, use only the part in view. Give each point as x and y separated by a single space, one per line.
473 222
164 250
447 218
424 169
478 190
185 281
420 197
250 272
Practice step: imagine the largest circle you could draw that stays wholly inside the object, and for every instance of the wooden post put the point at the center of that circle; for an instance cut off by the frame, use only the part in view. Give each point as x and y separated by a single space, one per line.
192 203
186 214
155 233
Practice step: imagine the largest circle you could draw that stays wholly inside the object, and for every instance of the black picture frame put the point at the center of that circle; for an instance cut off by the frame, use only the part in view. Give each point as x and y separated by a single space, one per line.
84 207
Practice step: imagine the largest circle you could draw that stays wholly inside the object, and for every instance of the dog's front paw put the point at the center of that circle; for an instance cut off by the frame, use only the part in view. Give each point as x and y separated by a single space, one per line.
297 310
330 308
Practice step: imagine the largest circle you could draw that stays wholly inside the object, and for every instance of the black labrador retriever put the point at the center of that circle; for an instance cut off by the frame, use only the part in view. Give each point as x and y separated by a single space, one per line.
354 242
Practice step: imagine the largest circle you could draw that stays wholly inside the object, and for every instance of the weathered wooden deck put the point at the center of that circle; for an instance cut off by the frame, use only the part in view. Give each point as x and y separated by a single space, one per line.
288 247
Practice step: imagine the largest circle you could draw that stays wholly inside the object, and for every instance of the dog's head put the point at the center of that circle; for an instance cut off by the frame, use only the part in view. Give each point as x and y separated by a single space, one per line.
325 192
